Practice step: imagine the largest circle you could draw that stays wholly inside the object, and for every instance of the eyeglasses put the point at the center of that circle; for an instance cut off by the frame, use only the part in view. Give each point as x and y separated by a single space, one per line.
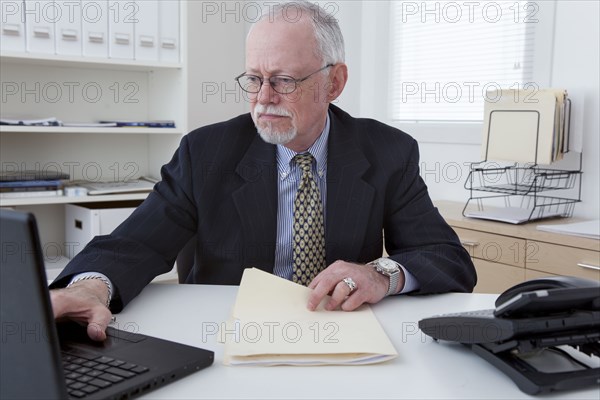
282 84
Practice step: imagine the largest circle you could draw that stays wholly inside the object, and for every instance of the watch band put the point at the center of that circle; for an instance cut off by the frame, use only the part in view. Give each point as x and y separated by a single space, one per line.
393 282
84 277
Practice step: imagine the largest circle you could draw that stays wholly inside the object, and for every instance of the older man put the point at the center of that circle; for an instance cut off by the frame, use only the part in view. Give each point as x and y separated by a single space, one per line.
309 198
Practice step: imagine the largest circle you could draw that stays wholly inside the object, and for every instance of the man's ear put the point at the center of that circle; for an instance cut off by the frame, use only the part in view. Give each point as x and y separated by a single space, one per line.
339 77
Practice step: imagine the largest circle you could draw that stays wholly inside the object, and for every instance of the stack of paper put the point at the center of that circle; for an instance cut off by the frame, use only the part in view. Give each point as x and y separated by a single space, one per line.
514 215
272 326
588 229
52 121
525 126
143 184
31 183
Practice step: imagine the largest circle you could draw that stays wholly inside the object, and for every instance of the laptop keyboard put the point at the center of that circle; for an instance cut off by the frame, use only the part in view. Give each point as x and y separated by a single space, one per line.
87 374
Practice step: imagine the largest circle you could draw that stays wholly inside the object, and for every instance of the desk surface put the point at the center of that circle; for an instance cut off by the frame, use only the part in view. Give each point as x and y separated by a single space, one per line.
424 368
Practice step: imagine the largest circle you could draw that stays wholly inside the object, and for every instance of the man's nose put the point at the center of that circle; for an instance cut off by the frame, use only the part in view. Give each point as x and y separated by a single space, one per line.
266 94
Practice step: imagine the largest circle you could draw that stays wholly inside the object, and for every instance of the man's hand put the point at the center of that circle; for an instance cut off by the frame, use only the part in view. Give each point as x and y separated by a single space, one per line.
84 301
371 286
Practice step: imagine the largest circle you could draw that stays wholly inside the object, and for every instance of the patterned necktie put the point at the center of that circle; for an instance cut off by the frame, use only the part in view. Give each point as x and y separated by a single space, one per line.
308 229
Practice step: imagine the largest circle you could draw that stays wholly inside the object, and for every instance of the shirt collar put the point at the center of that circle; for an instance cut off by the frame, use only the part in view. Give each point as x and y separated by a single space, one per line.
318 151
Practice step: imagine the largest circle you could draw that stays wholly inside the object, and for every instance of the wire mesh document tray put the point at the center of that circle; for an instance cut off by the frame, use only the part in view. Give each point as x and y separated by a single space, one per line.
517 193
516 180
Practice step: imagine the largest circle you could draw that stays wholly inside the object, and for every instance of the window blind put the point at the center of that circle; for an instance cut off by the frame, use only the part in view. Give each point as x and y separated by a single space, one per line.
446 56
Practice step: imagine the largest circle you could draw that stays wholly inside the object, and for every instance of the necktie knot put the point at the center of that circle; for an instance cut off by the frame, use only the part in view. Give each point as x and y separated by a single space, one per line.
304 161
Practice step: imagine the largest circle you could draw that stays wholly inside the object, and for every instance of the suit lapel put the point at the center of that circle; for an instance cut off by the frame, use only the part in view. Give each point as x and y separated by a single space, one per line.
256 203
349 197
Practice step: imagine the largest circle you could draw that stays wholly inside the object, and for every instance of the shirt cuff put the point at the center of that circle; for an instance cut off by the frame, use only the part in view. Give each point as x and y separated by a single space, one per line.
90 275
410 283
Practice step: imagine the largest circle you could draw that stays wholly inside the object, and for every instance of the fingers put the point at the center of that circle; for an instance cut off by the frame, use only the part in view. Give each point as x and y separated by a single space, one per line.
82 303
340 295
353 302
340 292
370 287
98 323
329 281
318 294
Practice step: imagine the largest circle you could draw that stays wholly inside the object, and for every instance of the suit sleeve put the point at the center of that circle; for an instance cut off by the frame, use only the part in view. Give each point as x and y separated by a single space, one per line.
147 243
419 238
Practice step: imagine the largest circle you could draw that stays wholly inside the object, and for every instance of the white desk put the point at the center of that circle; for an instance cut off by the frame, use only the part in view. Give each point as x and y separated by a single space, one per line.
424 368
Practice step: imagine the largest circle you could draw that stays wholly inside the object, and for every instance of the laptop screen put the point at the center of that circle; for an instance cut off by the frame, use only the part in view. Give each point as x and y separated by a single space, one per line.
30 366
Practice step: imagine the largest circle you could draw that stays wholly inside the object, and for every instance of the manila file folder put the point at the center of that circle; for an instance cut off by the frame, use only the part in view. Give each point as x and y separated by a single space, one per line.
522 126
272 326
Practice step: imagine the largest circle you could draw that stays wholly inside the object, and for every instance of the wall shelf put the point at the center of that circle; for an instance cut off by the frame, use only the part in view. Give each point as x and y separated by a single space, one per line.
80 62
93 130
30 201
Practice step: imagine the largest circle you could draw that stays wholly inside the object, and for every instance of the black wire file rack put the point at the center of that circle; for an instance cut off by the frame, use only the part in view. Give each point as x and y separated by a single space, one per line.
542 192
518 193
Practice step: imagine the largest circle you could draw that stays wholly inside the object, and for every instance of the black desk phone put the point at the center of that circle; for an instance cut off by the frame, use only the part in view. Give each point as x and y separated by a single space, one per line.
558 315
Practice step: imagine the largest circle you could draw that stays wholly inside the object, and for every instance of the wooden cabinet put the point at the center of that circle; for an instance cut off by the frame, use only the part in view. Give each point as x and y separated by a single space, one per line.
493 248
506 254
491 276
563 260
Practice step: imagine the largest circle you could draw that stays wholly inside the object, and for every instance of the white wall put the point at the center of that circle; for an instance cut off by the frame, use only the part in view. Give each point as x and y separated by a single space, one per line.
574 66
215 52
348 14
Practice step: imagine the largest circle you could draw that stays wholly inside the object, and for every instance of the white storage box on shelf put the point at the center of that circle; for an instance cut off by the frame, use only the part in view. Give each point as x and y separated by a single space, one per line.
84 221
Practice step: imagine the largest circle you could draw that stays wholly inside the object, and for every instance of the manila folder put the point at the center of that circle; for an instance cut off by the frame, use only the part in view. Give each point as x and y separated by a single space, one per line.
272 326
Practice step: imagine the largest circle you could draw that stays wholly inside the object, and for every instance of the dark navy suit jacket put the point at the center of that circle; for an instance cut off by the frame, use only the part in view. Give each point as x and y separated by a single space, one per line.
221 186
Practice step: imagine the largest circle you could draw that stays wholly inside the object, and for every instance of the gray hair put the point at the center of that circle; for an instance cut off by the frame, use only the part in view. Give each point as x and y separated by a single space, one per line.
330 41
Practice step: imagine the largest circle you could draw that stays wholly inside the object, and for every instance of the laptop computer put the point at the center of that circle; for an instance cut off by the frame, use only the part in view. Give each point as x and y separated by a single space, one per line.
42 359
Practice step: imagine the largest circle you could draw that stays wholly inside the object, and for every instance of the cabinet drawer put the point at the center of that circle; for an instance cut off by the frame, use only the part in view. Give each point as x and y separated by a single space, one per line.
493 248
533 274
563 260
496 278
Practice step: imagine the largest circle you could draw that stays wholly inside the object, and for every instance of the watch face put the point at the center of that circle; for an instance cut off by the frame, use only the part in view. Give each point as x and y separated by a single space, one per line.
387 265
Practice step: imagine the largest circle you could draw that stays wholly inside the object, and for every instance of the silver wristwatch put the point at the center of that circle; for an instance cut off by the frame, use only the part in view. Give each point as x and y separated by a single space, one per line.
389 268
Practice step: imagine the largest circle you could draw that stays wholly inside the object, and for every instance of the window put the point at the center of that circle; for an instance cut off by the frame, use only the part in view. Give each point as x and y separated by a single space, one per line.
446 55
